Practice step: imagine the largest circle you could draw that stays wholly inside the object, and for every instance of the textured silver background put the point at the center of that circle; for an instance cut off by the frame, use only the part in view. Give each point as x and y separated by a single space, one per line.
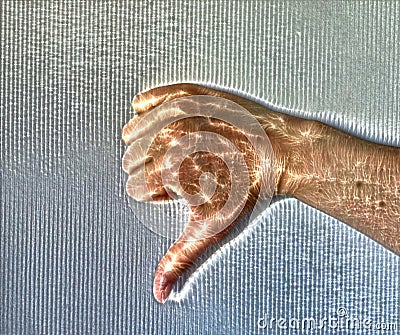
74 259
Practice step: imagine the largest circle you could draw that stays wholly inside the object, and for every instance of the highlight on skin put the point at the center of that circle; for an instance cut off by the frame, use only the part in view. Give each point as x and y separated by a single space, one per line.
353 180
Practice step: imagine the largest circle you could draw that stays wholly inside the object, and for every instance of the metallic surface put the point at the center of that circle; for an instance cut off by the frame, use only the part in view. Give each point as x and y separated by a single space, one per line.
74 258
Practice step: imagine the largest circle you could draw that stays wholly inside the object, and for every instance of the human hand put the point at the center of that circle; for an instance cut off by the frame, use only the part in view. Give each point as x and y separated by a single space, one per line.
353 180
221 184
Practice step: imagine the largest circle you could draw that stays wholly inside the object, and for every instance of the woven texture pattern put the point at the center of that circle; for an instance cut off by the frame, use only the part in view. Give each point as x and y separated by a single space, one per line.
73 257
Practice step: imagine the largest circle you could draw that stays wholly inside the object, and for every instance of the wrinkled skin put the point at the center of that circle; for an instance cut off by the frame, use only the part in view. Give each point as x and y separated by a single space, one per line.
350 179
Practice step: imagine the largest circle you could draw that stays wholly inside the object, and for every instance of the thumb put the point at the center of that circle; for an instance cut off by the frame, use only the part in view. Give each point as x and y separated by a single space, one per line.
195 239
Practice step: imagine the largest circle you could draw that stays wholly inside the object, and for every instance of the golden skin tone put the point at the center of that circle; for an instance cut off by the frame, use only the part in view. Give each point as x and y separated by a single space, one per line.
353 180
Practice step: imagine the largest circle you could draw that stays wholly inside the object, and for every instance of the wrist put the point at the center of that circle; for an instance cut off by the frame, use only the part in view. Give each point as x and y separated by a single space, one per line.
294 143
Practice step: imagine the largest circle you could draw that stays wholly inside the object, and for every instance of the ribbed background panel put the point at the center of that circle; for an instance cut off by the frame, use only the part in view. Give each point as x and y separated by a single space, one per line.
73 257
